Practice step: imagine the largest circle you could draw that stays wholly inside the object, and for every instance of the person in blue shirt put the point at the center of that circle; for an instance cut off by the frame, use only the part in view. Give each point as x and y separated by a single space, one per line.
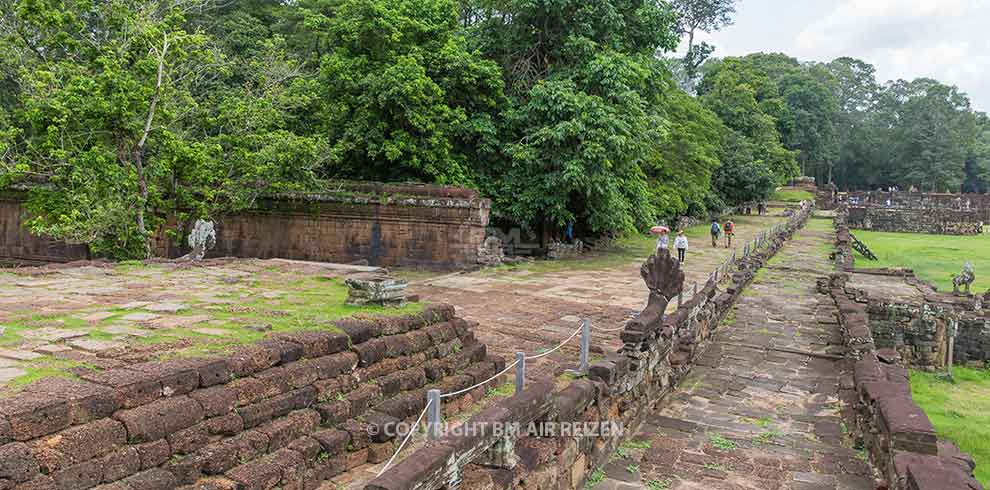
716 231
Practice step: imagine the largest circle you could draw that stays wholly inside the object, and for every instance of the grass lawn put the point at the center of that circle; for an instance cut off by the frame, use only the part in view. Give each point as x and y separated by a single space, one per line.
791 195
934 258
960 411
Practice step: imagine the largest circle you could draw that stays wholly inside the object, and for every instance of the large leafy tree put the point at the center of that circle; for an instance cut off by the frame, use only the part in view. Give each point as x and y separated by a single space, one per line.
749 103
405 98
121 118
585 116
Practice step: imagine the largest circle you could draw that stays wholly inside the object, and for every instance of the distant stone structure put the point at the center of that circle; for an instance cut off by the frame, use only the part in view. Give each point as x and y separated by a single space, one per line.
944 214
561 250
387 225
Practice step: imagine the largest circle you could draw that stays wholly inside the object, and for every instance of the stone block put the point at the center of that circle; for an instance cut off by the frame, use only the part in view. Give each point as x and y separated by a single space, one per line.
333 441
360 435
80 476
283 431
261 412
359 330
335 412
224 425
120 464
32 415
248 360
153 479
370 352
301 373
216 401
265 473
331 366
307 446
156 420
287 351
16 463
87 401
362 398
153 454
131 388
78 444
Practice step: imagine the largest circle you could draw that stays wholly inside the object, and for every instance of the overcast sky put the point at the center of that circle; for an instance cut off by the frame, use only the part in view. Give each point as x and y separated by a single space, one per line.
948 40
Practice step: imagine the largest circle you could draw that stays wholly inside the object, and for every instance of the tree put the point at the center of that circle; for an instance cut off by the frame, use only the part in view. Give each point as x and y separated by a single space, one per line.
744 98
404 97
584 120
122 118
696 16
742 178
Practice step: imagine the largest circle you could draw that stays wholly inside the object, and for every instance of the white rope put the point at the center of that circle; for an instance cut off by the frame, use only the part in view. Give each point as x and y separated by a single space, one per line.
551 351
465 390
408 436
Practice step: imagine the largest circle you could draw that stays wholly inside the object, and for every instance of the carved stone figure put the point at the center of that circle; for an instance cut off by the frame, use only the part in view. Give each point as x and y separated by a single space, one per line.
966 278
665 279
202 239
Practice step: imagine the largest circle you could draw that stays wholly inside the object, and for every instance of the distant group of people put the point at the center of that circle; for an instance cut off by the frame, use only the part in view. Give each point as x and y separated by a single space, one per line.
728 229
680 243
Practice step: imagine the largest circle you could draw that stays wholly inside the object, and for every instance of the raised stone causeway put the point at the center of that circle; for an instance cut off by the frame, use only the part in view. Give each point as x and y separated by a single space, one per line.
288 412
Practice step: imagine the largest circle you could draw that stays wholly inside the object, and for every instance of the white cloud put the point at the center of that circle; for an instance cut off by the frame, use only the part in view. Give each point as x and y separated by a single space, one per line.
942 39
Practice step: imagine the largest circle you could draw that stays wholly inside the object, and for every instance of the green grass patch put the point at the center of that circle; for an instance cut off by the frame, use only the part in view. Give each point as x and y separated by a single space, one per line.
792 195
720 442
934 258
959 410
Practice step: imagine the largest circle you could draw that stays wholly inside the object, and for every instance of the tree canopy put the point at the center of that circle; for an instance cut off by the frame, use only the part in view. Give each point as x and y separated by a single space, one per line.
119 115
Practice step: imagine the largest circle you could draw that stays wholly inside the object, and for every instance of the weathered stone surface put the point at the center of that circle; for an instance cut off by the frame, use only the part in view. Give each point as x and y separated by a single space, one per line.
32 415
16 463
157 420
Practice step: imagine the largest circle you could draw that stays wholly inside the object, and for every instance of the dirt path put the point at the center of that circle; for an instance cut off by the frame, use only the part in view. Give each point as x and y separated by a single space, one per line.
518 309
760 410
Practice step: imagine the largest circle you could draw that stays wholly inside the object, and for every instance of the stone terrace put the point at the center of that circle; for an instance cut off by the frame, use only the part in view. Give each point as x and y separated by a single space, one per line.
761 409
56 318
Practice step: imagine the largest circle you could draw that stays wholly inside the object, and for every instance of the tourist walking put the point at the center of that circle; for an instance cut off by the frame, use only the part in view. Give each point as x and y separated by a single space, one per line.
716 231
681 244
730 229
663 241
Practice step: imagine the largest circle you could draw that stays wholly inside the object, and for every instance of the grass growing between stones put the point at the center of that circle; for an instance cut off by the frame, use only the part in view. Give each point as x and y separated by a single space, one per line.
934 258
960 411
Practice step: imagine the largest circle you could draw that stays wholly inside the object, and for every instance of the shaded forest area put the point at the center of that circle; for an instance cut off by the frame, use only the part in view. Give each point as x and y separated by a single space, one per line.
116 112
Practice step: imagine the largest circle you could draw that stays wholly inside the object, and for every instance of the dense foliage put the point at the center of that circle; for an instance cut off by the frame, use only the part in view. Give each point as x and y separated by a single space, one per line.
119 114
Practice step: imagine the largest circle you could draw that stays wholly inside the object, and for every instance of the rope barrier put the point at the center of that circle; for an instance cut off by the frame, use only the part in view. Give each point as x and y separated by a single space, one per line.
607 330
551 351
465 390
404 441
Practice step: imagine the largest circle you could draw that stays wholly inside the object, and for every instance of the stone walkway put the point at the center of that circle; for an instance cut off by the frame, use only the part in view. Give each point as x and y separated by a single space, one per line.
760 410
520 310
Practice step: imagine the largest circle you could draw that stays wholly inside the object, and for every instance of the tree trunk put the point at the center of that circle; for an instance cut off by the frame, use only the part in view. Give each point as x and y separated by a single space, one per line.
139 150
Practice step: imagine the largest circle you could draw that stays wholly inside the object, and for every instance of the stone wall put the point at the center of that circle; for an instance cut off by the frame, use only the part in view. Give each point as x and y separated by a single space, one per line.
19 246
898 436
288 412
657 352
919 331
940 221
383 224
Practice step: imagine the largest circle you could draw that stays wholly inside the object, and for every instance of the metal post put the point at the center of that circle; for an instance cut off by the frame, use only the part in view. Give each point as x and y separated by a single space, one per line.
680 297
585 344
520 371
695 292
433 414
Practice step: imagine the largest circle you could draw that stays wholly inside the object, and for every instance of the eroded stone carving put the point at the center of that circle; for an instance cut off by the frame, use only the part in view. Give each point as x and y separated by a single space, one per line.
202 239
966 278
665 279
376 289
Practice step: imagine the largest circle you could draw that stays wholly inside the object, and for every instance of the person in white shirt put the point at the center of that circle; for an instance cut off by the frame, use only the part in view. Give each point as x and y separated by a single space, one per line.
662 242
681 244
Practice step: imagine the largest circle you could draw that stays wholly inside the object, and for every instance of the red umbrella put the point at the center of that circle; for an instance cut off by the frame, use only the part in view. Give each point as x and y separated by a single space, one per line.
656 230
